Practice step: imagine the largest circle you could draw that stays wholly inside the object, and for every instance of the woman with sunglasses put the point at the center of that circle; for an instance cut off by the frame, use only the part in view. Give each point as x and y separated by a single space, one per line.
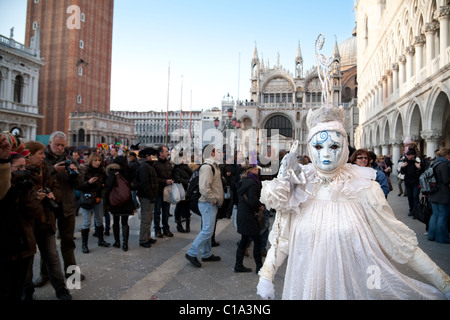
363 158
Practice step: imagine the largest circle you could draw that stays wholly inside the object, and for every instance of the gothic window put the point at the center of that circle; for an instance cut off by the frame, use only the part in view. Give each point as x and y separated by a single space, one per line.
18 88
281 123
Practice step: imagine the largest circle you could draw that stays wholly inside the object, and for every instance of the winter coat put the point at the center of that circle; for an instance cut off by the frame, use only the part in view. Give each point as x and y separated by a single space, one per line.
442 171
65 194
412 174
90 172
164 170
209 185
147 181
134 166
181 174
40 211
246 220
16 227
5 178
126 209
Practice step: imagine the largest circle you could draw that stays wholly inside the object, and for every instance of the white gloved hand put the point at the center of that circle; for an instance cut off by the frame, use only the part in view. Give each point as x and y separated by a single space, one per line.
265 289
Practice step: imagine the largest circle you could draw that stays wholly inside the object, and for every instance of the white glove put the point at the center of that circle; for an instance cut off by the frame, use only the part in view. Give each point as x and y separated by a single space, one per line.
265 289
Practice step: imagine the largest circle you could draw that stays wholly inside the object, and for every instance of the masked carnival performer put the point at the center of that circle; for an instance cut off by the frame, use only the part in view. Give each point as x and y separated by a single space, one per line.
335 228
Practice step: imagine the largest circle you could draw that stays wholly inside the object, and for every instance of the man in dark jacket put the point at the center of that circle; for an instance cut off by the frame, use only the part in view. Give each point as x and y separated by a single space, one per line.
68 178
147 191
164 171
440 200
412 170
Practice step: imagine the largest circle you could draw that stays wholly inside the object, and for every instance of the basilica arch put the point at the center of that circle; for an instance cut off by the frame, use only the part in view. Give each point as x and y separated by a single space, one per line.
279 122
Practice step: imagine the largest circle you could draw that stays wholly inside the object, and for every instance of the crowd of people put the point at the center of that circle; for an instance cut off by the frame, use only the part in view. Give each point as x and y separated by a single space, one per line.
44 188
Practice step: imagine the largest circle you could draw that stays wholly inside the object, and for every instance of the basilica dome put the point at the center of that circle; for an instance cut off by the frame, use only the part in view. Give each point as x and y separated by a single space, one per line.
348 52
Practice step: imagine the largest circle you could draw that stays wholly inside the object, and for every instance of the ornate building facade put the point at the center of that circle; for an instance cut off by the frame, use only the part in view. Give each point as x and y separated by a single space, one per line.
404 75
19 81
281 100
150 126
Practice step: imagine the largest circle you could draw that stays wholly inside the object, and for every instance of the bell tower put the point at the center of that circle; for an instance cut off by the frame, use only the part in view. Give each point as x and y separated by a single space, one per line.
336 77
76 46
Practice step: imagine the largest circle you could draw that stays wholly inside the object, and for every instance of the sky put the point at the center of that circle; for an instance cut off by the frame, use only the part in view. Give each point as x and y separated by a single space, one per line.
180 54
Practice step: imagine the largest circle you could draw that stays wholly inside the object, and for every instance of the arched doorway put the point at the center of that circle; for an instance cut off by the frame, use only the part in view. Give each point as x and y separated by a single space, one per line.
281 123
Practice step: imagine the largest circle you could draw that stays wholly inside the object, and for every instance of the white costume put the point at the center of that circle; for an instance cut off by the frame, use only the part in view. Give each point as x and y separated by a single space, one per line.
336 229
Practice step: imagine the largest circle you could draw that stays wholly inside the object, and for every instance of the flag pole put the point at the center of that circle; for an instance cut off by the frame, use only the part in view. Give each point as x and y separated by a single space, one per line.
167 112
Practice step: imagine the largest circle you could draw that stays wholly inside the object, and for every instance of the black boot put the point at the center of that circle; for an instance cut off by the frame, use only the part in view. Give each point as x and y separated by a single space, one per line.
125 235
188 225
180 227
116 231
84 240
239 266
101 240
257 255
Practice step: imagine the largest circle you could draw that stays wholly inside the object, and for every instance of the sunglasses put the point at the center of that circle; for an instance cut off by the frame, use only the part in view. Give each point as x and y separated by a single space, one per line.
361 158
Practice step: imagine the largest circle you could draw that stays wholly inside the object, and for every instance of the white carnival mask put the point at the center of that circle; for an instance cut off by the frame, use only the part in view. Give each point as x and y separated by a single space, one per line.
326 148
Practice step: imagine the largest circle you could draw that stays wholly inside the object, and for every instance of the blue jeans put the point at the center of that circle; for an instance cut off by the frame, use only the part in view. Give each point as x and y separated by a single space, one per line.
97 210
437 227
413 197
202 243
161 214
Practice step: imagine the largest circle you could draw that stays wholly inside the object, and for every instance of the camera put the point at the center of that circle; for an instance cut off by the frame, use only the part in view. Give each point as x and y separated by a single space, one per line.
51 202
72 173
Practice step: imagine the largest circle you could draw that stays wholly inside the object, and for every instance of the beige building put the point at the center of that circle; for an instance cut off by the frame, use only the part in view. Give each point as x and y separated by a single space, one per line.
403 75
19 81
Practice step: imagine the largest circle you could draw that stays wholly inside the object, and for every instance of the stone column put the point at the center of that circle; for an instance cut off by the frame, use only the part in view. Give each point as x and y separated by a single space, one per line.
401 73
442 14
396 154
384 91
380 93
409 63
8 87
385 149
429 29
389 85
377 150
431 138
419 43
395 80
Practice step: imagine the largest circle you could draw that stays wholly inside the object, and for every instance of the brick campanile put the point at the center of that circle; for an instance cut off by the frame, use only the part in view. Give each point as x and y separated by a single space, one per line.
76 46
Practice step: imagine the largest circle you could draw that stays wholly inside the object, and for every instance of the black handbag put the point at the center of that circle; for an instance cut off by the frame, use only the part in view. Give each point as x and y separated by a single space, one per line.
87 200
259 215
422 211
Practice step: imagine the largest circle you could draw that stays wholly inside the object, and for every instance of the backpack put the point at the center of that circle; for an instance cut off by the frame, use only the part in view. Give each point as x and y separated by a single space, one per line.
427 180
120 193
193 192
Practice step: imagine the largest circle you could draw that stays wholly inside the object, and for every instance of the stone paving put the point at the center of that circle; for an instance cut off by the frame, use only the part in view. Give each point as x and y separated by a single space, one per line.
162 272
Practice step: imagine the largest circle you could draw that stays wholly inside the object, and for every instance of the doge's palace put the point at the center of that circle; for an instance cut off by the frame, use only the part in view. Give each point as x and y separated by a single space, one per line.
403 75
